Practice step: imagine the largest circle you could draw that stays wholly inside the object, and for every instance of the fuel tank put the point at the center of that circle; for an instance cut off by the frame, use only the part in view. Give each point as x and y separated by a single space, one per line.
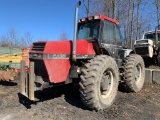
53 58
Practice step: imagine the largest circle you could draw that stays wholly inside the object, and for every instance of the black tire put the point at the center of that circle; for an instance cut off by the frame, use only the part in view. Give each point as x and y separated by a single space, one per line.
95 72
133 73
158 59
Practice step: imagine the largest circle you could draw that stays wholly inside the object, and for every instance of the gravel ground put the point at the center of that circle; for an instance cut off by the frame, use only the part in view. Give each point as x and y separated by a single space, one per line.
64 103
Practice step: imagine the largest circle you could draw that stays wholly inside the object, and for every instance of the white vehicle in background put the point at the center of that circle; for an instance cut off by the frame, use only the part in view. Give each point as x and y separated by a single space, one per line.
148 47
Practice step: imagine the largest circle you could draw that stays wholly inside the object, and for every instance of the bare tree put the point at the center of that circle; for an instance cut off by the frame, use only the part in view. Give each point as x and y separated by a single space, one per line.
114 4
87 7
106 8
132 24
12 39
128 12
3 41
26 40
138 18
157 3
63 36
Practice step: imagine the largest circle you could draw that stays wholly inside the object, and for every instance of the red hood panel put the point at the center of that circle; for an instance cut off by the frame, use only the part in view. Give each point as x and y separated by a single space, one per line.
58 69
65 47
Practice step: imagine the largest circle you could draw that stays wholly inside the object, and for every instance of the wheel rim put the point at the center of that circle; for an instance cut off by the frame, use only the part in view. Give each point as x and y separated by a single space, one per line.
108 74
138 73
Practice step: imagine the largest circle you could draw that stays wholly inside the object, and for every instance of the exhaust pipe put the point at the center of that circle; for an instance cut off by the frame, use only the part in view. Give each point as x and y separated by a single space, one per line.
75 32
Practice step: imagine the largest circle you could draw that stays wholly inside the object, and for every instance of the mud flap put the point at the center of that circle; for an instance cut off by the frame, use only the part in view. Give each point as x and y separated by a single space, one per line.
27 81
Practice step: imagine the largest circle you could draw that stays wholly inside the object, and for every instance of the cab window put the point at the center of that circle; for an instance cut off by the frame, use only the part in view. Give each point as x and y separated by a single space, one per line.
111 33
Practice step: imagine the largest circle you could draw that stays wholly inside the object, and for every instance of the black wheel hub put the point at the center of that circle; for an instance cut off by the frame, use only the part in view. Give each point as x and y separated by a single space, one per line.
105 82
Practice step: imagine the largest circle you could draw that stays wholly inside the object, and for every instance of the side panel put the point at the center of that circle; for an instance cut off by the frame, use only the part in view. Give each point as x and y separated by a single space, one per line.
58 69
114 50
83 47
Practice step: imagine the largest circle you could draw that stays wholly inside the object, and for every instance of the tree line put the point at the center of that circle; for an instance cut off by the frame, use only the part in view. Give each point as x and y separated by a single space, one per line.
135 16
12 39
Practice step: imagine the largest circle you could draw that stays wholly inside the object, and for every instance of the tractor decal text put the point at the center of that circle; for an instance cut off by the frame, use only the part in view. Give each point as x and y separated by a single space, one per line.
57 56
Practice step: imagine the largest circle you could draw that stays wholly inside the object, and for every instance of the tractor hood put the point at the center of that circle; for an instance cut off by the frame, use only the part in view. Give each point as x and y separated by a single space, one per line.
52 59
63 47
144 47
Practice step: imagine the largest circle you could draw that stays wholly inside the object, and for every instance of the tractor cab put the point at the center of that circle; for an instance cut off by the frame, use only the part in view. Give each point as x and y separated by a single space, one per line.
100 28
103 32
151 35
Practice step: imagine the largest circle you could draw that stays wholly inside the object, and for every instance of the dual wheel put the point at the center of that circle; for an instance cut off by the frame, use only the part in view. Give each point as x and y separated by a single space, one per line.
100 80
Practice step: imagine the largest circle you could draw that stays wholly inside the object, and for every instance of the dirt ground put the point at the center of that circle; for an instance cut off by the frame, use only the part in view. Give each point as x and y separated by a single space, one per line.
64 103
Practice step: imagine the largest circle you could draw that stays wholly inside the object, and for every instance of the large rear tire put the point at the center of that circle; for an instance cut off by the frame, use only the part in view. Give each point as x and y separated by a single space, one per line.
133 74
99 82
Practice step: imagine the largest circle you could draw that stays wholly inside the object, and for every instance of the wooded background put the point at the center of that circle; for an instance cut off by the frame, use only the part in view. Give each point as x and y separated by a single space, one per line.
135 17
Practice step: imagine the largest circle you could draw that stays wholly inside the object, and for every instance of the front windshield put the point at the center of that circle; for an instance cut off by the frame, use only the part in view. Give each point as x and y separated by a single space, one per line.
89 31
149 36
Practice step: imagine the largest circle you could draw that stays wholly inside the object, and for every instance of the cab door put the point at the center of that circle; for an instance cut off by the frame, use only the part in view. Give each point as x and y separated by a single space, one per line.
112 39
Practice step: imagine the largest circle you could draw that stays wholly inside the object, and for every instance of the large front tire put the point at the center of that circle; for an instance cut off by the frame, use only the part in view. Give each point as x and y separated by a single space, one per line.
133 74
99 82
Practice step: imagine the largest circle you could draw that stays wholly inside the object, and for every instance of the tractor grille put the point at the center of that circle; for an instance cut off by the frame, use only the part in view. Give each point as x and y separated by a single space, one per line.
40 69
38 46
142 50
141 41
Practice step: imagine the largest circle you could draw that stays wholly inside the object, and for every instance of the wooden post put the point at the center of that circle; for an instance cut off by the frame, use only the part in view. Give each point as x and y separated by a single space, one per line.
22 78
31 81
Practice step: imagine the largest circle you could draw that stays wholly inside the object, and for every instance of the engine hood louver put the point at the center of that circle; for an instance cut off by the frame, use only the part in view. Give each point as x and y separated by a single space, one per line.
38 46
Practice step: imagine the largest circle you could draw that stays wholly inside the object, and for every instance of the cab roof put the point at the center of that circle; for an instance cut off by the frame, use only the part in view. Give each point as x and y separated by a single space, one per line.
151 32
98 17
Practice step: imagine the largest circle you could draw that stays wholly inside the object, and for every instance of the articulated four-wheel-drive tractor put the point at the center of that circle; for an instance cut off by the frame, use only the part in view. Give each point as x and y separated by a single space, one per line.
95 59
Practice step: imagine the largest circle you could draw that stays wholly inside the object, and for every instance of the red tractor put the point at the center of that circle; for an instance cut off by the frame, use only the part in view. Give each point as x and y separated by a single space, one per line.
95 59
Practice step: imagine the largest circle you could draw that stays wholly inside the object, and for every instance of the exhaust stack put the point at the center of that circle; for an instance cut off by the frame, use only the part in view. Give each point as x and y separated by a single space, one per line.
75 32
